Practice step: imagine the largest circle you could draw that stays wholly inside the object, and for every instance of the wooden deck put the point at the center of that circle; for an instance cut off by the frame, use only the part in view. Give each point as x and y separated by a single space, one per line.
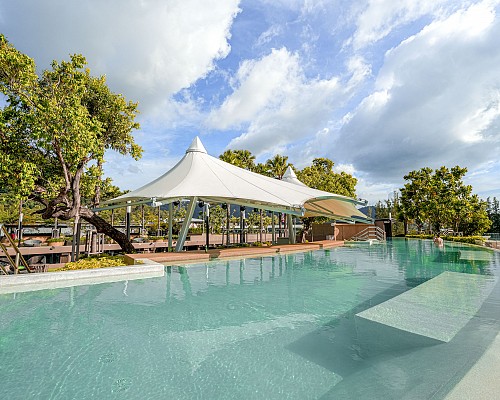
196 256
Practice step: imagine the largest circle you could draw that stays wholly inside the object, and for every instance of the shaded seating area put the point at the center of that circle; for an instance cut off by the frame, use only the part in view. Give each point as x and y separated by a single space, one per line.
203 179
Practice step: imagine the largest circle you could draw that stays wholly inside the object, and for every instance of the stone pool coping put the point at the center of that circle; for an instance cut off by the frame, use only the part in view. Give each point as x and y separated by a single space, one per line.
146 265
53 280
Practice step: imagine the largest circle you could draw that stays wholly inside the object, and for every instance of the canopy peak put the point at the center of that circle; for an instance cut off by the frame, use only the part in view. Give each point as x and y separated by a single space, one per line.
196 146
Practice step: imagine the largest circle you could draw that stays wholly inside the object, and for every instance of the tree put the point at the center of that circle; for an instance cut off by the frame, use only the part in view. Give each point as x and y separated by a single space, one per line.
262 169
241 158
277 166
414 196
441 199
60 124
493 209
320 175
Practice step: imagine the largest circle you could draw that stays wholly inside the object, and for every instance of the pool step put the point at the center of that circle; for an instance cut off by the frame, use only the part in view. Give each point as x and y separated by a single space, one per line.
431 313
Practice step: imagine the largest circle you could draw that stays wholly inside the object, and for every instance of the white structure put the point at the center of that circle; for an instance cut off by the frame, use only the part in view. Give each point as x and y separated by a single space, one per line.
201 177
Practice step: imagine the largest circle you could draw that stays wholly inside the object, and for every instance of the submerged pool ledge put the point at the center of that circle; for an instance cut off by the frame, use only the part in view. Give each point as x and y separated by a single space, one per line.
53 280
199 256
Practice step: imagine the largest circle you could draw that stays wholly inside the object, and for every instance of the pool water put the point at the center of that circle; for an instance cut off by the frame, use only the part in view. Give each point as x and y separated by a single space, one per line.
264 328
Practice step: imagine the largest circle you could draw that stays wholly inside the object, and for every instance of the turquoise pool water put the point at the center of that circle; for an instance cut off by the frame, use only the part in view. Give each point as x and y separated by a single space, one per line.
267 328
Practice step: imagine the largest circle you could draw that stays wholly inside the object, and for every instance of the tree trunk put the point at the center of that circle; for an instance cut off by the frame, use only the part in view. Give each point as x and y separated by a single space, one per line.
103 226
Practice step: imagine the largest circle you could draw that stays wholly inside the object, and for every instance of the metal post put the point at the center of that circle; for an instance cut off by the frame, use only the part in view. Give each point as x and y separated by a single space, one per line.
228 221
127 221
261 222
291 233
20 224
142 219
279 225
185 224
242 224
273 230
207 221
78 234
158 228
170 217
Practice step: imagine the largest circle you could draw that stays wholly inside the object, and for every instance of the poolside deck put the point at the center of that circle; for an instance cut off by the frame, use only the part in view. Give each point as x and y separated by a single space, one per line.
196 256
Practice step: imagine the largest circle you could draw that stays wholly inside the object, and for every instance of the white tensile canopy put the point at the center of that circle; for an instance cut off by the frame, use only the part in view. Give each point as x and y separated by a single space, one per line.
201 177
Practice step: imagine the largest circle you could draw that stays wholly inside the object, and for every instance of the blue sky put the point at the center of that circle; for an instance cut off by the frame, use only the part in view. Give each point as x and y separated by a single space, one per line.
380 87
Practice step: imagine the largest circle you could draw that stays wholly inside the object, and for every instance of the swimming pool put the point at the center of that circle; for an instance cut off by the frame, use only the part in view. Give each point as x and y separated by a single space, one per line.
265 328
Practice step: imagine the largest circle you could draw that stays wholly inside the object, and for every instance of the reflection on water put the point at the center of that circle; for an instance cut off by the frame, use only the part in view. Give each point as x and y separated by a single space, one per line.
273 327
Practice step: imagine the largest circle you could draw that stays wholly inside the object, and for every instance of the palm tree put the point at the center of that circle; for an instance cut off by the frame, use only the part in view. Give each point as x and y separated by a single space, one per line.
278 165
246 159
230 157
262 169
241 158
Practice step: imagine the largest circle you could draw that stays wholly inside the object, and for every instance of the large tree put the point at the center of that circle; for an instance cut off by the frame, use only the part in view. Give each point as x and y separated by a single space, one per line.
442 200
493 208
54 131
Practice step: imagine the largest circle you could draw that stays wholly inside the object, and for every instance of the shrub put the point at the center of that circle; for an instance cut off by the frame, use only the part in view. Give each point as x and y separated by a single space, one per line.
461 239
156 237
58 239
101 261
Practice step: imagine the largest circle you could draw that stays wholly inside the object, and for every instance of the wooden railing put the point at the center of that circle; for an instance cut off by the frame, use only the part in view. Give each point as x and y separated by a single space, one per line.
18 258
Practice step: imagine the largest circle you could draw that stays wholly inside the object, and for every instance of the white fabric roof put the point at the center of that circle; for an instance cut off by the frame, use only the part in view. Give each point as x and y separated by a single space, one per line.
212 180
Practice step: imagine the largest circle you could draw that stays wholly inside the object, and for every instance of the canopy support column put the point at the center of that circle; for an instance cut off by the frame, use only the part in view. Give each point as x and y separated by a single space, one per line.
291 230
273 230
170 217
185 224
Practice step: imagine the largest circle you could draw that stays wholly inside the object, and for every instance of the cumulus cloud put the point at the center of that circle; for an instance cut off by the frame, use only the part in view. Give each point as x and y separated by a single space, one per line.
278 104
380 17
436 100
149 49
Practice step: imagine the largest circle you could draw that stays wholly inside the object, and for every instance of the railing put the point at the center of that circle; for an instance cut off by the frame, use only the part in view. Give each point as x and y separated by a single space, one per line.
18 257
94 243
371 232
450 232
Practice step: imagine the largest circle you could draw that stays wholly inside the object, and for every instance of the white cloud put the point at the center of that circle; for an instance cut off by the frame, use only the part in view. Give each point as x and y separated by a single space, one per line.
258 84
436 100
278 104
268 35
149 49
381 17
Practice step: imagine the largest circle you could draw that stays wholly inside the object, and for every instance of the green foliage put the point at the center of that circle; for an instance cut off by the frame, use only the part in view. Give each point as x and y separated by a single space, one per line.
241 158
277 166
94 262
391 207
217 218
493 209
156 237
55 240
441 199
460 239
60 125
320 175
